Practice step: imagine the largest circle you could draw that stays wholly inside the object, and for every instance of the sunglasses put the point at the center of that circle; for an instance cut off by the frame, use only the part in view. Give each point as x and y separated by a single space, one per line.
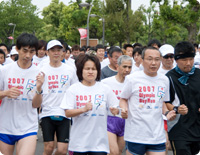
168 56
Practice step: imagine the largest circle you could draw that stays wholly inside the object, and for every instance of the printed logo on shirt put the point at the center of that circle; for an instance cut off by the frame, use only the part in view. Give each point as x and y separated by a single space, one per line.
141 106
98 100
16 82
156 107
117 93
146 94
64 79
161 92
35 63
30 85
53 82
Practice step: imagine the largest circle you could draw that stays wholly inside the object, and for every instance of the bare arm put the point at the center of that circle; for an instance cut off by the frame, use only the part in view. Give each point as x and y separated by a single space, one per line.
37 99
165 108
170 114
182 109
76 112
13 92
124 105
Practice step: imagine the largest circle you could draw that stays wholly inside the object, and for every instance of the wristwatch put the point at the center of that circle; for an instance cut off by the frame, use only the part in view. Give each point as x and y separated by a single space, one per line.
39 92
166 113
176 109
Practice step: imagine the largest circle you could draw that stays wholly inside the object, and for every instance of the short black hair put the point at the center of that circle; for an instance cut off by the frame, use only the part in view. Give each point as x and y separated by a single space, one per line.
149 48
26 39
2 52
83 49
3 44
114 49
41 44
196 45
76 48
154 41
127 45
80 62
64 44
137 50
99 46
137 44
184 47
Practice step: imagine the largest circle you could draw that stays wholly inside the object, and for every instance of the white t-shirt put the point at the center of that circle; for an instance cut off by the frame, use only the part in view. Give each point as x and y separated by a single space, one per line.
197 60
70 62
36 60
17 116
164 71
8 61
44 62
89 130
115 86
145 96
135 68
57 81
105 63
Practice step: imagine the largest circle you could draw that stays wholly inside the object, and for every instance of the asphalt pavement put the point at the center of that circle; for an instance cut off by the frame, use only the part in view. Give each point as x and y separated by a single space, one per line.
39 148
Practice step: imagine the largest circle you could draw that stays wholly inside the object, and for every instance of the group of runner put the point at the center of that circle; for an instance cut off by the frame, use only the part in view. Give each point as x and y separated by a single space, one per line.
130 101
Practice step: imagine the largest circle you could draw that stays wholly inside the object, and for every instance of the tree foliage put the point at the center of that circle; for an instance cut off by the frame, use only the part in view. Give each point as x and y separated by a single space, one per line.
20 12
182 17
171 22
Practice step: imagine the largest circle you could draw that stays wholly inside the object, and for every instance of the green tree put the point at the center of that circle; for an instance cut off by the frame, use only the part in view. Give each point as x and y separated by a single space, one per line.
20 12
186 15
122 24
52 16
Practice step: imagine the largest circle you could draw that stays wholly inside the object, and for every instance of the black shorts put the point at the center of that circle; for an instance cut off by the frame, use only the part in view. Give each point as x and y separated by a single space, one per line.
50 127
185 147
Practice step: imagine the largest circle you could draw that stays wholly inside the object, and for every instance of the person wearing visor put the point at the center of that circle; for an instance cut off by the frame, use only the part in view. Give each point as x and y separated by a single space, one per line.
58 78
167 52
184 131
14 54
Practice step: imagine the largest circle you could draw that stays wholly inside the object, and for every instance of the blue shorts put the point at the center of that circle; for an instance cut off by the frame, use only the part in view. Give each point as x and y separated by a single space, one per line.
116 125
12 139
141 149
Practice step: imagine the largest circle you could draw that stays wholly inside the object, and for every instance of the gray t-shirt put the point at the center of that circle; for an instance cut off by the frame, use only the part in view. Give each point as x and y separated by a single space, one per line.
107 72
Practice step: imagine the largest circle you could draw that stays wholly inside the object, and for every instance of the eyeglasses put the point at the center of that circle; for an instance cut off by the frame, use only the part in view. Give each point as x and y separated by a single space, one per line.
151 60
168 56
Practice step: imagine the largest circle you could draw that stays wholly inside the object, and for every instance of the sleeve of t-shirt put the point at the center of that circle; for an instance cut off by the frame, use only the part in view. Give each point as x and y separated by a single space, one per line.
1 79
74 78
171 90
68 101
166 97
102 74
112 100
127 90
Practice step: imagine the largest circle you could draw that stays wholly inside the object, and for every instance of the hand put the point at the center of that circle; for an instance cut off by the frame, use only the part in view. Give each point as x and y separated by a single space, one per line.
124 113
88 107
171 115
114 110
13 92
182 109
40 81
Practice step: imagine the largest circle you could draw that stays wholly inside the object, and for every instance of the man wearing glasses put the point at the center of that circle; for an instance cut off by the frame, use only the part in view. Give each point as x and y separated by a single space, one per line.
167 52
142 101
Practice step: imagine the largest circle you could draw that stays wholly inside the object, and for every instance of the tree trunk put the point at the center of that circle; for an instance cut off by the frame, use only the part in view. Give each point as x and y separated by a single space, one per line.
192 32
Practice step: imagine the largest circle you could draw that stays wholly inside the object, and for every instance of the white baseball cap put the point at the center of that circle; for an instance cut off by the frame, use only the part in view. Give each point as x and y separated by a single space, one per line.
13 51
53 43
166 49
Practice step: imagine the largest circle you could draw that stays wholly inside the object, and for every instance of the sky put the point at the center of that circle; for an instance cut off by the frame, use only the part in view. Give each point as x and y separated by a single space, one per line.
43 3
